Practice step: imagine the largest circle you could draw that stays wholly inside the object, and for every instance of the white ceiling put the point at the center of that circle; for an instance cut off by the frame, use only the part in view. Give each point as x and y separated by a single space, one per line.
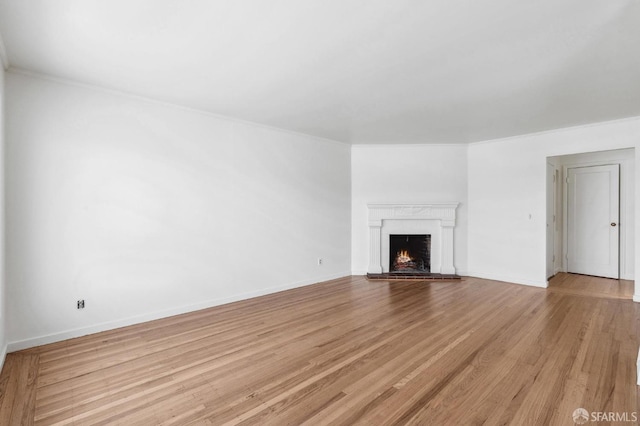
358 71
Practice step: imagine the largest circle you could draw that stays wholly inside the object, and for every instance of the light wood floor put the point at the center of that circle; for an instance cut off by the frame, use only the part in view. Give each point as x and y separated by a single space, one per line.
348 352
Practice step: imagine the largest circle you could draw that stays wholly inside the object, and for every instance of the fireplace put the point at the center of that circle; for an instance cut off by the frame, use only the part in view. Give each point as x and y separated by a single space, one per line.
409 253
434 220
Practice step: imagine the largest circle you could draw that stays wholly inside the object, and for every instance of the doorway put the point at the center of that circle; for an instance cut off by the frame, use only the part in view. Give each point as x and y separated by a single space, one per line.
585 194
593 218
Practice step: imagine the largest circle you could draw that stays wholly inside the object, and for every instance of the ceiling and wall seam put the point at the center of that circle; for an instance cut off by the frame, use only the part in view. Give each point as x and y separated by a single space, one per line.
128 95
408 145
116 92
557 130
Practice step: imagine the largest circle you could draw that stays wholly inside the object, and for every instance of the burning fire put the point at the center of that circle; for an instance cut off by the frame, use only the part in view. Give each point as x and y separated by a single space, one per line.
403 257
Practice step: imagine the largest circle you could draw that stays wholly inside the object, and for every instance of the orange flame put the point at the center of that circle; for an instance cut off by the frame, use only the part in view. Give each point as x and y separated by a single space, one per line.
403 257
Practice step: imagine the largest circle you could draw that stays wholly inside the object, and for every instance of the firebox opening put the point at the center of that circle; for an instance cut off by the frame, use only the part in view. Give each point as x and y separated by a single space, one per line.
410 253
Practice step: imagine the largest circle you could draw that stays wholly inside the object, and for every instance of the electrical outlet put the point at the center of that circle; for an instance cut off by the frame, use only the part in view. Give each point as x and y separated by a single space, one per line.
81 304
319 261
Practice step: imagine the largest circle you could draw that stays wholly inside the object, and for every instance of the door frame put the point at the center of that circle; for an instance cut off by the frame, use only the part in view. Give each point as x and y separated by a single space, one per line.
554 209
623 162
565 218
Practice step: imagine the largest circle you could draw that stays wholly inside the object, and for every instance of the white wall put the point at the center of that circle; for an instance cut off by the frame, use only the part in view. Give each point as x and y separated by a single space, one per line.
507 196
144 209
407 174
3 304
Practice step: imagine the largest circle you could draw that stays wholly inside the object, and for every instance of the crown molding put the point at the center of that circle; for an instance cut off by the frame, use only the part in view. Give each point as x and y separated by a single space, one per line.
3 54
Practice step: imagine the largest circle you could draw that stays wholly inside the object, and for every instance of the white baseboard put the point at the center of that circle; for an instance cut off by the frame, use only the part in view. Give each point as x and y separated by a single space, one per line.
3 356
110 325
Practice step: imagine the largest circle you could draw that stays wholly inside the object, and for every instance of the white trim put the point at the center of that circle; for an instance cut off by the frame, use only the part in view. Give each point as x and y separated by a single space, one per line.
3 356
3 54
110 325
636 298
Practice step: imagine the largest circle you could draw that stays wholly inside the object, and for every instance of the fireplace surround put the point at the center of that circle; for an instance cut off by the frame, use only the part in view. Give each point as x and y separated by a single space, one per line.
436 220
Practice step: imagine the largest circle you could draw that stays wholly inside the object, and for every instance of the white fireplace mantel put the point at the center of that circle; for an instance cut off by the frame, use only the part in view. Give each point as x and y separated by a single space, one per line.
438 220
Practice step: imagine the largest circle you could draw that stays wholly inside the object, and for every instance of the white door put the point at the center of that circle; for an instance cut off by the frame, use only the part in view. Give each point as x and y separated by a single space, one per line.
593 208
551 211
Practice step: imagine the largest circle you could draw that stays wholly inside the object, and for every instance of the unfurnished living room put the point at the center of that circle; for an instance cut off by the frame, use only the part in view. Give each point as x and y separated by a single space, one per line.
319 212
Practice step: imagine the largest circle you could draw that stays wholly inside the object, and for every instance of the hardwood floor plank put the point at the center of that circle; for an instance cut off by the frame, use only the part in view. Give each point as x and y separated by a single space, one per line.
18 386
8 388
348 351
